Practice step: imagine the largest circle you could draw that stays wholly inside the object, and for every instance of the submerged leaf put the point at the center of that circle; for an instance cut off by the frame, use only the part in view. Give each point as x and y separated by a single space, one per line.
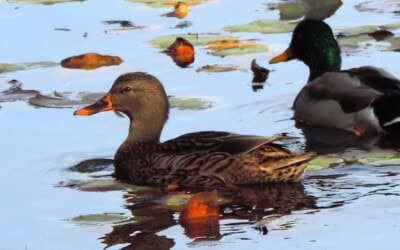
90 61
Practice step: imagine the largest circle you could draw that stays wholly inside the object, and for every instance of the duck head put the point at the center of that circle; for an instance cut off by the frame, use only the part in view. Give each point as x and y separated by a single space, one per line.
314 44
142 98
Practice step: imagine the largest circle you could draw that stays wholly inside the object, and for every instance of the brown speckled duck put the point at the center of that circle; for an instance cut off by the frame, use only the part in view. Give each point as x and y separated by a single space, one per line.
203 159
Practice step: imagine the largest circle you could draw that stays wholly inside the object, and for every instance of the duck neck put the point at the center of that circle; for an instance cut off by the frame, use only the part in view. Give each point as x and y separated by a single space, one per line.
325 58
144 131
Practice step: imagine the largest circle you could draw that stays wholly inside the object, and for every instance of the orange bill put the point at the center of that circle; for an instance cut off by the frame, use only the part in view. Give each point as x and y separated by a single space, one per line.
104 104
283 57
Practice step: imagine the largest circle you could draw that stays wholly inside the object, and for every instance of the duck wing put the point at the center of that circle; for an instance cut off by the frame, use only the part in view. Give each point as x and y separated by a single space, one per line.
216 141
377 79
349 91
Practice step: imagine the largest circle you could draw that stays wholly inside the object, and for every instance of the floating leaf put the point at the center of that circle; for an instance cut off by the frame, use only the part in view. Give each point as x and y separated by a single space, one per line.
166 3
164 42
386 6
260 74
10 67
323 162
217 68
181 10
93 165
101 219
353 41
236 47
394 43
193 103
90 61
365 29
101 186
65 99
181 52
263 27
46 2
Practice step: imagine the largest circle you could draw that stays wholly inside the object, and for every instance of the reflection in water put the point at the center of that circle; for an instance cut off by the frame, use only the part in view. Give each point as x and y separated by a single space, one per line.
264 206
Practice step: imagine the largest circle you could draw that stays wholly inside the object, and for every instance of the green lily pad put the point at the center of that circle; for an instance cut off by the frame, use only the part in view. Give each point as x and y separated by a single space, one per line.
65 99
11 67
166 3
323 162
365 29
217 68
164 42
93 165
101 186
101 219
394 43
311 9
263 27
354 41
259 48
193 103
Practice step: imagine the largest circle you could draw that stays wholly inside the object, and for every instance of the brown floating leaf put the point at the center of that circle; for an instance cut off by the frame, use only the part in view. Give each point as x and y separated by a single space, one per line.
90 61
380 35
260 73
181 52
181 10
200 217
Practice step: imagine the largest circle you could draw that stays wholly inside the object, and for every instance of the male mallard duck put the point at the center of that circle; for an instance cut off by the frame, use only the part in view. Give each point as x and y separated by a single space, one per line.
203 159
365 99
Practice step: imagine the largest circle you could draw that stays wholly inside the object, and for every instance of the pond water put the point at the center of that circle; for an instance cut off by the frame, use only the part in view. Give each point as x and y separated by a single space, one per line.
47 204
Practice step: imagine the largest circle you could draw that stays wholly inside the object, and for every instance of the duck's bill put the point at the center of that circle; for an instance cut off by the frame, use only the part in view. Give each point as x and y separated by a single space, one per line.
283 57
104 104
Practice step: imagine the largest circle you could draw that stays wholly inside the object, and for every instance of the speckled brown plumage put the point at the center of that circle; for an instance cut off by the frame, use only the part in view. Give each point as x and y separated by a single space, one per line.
203 159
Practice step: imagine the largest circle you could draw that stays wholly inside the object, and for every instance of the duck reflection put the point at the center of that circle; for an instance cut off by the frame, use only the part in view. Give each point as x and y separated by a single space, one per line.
249 203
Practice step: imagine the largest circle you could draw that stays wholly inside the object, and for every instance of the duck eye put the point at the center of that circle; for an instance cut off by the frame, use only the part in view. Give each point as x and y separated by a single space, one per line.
126 90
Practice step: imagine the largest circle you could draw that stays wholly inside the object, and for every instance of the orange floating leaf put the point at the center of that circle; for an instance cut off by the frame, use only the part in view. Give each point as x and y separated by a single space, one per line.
90 61
230 44
181 10
200 217
181 52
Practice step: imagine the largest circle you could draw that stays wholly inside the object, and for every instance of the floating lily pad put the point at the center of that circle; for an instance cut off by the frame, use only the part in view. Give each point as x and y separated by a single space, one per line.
164 42
11 67
47 2
101 186
323 162
193 103
386 6
241 49
394 43
263 27
353 41
101 219
65 99
93 165
166 3
365 29
312 9
218 68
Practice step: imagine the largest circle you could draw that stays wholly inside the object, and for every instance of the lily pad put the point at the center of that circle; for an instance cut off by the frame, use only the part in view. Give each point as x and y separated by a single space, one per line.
164 42
218 68
241 50
323 162
93 165
166 3
11 67
65 99
100 219
46 2
365 29
263 27
192 103
394 43
386 6
311 9
353 41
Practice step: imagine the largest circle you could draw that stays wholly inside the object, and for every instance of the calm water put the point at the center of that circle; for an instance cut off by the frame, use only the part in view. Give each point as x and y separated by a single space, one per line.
348 207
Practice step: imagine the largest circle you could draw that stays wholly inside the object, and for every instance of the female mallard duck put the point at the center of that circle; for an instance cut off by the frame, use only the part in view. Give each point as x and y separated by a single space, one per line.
204 159
365 99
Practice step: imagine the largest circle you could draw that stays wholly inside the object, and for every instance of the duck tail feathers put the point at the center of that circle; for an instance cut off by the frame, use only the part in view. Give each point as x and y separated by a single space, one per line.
387 110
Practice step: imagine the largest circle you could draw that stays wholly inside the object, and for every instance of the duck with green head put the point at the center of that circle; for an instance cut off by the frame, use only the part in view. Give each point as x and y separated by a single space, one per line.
361 100
201 159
